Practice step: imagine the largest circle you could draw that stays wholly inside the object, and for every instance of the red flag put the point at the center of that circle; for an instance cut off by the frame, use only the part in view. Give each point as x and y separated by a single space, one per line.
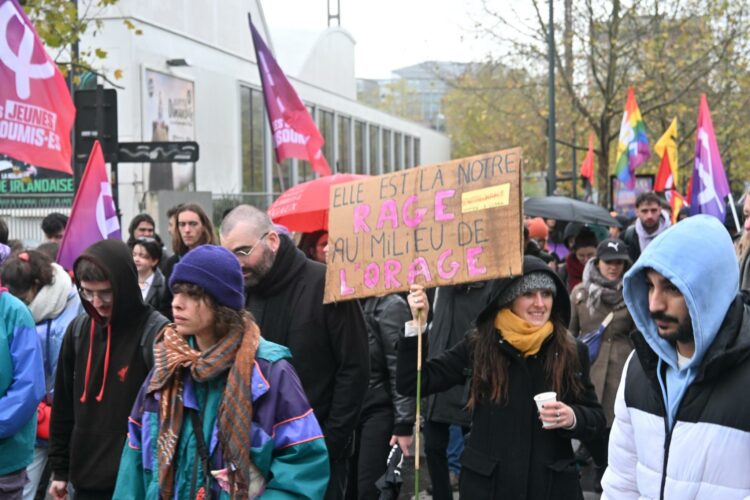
93 217
294 132
664 179
36 111
587 167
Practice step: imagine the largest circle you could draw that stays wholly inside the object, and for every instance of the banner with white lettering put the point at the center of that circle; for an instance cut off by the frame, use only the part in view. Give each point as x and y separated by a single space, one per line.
36 111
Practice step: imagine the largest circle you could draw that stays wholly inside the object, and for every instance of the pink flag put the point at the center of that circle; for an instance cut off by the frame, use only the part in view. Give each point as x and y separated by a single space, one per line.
93 217
294 131
709 182
36 111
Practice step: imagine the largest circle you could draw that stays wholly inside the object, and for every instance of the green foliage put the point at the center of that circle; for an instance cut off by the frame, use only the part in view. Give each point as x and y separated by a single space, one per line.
670 51
61 25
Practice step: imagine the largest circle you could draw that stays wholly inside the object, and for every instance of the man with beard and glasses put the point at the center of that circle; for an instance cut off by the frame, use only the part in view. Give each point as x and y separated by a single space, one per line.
682 421
330 351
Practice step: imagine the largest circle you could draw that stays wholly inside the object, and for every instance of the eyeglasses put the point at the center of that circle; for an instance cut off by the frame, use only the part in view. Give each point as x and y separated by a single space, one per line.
246 253
105 296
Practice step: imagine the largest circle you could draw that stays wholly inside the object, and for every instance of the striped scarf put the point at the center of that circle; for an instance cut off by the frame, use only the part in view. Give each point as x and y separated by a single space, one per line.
235 353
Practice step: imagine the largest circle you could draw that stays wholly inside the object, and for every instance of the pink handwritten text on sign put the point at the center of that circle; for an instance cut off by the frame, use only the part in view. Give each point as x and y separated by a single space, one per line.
443 224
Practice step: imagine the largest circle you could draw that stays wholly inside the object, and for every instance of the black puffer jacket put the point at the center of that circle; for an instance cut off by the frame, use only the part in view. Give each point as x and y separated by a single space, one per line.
385 317
508 454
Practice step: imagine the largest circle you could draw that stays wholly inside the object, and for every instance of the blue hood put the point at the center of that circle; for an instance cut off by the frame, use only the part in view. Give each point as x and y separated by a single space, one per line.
697 256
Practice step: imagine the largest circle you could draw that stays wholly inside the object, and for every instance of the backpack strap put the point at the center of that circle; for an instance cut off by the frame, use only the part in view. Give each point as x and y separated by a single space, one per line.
77 326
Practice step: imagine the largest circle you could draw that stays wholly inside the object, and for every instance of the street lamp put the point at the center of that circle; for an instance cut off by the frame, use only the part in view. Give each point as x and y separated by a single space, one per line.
551 136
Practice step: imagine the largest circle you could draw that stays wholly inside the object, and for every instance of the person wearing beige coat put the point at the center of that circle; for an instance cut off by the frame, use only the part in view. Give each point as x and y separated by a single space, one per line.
598 301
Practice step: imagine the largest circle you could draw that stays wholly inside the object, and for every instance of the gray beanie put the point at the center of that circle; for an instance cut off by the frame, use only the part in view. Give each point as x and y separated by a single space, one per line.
537 280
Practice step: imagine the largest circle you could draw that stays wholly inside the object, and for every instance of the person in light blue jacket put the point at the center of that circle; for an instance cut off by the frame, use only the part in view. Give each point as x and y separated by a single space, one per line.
53 301
21 389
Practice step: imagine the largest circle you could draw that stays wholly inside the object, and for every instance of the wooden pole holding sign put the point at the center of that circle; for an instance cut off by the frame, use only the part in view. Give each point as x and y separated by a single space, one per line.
446 224
418 410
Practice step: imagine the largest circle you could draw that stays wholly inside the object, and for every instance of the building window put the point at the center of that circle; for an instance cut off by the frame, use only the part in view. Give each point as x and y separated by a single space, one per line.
252 125
343 160
417 152
359 148
375 166
398 148
304 169
325 125
408 152
282 175
387 159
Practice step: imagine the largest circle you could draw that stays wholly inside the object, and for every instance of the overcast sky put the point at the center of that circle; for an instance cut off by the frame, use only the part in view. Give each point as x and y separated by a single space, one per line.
391 34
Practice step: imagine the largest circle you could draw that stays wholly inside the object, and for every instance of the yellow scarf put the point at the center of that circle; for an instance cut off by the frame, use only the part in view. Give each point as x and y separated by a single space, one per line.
522 335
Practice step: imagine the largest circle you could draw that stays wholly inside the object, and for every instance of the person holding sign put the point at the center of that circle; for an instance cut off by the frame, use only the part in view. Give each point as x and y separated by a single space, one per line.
520 348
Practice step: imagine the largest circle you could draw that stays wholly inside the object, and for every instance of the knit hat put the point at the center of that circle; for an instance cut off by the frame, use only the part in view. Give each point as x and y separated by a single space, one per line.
216 270
533 281
538 228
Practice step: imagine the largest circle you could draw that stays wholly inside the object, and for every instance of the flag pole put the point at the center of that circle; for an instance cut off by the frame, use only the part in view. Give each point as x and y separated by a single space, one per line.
418 406
734 214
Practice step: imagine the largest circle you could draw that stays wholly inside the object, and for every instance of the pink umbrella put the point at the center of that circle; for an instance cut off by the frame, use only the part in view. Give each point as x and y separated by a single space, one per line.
304 207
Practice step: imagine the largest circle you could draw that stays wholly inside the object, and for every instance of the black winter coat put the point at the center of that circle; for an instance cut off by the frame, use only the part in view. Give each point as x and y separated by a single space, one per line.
508 455
328 342
385 318
455 310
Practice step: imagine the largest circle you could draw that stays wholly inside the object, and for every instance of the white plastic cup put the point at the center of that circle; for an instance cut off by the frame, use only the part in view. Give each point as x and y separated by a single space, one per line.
542 398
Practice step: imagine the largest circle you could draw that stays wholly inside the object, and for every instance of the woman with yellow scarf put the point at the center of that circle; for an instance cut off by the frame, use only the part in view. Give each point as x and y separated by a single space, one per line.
520 348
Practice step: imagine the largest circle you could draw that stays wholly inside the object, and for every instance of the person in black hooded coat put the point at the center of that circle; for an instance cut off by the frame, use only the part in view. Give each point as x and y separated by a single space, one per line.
508 453
101 367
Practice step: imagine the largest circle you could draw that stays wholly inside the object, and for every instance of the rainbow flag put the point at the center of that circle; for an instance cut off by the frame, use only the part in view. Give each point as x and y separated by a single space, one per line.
632 147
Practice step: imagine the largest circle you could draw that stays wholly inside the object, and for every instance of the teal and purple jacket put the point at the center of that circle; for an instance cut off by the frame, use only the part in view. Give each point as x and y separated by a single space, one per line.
287 444
21 383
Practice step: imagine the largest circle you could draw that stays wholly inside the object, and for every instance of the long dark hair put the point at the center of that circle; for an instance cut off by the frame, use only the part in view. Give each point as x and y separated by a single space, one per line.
207 234
489 382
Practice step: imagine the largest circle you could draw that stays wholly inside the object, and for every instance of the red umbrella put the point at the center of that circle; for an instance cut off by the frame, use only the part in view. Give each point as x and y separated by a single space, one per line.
304 207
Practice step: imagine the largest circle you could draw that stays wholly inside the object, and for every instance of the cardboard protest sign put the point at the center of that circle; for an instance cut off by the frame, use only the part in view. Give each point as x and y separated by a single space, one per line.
445 224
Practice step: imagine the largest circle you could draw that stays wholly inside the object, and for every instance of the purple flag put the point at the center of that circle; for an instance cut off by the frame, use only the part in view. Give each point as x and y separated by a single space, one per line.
294 132
709 182
93 217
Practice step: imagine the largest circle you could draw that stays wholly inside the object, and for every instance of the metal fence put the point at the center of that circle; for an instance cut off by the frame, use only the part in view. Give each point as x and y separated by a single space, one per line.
25 224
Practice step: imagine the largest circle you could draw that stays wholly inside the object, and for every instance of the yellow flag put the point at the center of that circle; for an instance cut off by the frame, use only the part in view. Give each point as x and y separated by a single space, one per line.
668 143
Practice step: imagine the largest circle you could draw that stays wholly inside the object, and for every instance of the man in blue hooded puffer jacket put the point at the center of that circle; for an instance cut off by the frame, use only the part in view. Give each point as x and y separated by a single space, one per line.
682 415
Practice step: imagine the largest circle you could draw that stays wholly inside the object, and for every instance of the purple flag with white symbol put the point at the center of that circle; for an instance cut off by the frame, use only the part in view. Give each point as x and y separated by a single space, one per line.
294 132
93 217
710 186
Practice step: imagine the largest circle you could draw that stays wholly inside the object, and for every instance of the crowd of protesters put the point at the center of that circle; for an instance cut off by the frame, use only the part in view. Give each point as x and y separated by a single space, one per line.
212 369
